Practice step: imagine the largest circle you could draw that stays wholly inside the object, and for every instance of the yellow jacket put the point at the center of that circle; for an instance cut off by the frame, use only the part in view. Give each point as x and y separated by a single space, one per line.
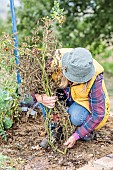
80 94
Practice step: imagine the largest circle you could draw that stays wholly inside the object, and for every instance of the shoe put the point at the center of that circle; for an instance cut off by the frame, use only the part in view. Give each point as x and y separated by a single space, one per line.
44 143
57 135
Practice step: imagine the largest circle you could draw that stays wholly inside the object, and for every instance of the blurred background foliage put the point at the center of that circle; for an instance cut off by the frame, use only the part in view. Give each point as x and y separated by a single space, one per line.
87 23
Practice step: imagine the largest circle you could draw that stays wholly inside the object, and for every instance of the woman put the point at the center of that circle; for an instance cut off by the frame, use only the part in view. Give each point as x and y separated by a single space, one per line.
89 109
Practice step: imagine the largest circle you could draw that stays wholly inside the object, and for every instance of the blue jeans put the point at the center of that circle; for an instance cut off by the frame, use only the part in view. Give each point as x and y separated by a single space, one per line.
78 113
43 109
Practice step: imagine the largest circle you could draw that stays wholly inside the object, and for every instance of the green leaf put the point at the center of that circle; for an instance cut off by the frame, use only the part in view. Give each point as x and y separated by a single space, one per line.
7 123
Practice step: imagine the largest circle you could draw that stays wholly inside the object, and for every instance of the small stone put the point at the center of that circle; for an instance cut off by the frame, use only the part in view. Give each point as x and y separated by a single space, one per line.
35 147
105 163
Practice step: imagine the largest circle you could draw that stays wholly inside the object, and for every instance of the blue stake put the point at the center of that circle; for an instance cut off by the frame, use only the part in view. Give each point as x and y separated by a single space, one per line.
14 30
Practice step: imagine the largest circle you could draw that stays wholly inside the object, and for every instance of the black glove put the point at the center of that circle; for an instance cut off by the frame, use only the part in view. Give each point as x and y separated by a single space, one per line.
61 95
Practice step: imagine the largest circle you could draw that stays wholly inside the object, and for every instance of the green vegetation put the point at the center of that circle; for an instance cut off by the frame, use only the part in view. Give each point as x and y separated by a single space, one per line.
106 60
108 67
5 26
86 22
29 13
8 85
5 162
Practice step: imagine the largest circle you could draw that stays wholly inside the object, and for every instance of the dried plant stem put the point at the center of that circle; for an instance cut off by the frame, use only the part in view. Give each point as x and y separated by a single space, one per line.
58 150
48 46
64 113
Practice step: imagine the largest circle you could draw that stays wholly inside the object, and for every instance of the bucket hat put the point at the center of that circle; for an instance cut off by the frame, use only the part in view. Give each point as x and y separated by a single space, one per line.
77 65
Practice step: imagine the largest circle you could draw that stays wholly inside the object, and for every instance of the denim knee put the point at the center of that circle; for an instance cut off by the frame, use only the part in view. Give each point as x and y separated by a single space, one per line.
75 120
78 114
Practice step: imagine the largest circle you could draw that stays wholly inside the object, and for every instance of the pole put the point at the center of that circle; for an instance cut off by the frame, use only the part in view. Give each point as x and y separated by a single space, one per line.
14 30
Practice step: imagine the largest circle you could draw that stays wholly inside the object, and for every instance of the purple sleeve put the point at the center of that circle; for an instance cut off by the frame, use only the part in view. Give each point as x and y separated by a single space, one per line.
97 108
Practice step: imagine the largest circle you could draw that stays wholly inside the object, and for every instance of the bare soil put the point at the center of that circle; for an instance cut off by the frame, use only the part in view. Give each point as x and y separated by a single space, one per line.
24 137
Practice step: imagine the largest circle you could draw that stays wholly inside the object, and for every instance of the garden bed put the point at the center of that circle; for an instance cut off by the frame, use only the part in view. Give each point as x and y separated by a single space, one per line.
22 146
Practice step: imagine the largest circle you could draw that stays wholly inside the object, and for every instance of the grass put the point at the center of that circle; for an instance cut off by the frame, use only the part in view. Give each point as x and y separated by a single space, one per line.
106 60
108 67
5 163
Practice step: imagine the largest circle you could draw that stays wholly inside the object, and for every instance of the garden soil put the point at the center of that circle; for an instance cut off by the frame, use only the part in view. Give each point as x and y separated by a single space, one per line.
23 146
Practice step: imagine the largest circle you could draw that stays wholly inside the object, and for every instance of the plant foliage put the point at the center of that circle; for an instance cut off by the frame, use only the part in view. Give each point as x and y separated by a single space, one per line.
8 85
38 68
39 71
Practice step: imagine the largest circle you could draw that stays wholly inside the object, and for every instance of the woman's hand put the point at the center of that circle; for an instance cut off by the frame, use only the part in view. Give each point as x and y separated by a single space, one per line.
46 100
70 142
